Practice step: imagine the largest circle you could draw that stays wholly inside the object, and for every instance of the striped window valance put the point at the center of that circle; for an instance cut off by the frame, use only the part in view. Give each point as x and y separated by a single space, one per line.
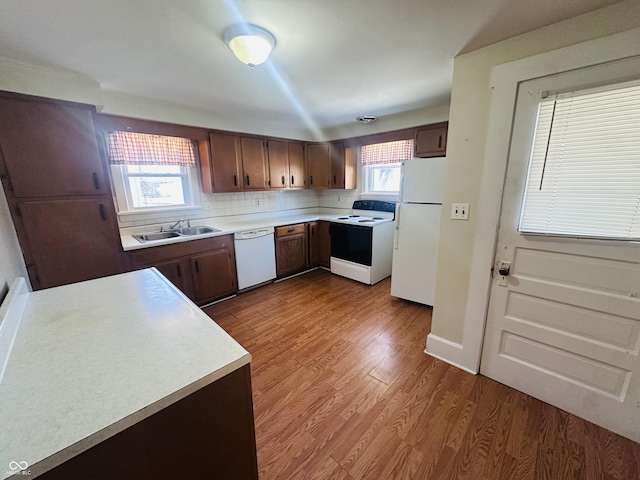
386 153
130 148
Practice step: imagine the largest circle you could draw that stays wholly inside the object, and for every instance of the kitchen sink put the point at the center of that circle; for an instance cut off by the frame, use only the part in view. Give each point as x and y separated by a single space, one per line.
198 230
183 232
149 237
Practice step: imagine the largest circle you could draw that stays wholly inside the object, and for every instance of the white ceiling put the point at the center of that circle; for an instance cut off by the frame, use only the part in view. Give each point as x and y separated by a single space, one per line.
334 60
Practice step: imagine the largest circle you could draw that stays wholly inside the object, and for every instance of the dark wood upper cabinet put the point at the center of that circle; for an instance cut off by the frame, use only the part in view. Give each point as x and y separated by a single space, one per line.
50 149
278 164
431 141
343 166
254 163
296 165
236 163
225 169
318 165
286 164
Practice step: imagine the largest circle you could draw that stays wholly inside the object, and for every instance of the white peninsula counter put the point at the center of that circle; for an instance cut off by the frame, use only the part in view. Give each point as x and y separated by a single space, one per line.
121 377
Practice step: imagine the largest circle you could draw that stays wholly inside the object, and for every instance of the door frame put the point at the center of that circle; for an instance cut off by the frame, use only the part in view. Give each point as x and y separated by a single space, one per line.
505 80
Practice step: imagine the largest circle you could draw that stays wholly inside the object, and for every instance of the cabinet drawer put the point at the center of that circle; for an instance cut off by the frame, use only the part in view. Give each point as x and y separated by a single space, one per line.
290 230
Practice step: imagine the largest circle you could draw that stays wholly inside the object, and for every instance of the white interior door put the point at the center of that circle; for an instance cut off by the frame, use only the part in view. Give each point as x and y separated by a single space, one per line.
564 325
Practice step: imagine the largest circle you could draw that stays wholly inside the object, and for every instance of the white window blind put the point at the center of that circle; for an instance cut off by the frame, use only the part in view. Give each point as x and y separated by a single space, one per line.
584 171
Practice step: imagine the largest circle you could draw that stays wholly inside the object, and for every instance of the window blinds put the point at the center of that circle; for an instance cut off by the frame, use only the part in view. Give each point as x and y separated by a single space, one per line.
584 171
129 148
386 153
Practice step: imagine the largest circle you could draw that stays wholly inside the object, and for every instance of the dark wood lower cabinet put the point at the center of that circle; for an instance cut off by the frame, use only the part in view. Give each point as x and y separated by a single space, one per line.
204 269
291 249
319 244
209 434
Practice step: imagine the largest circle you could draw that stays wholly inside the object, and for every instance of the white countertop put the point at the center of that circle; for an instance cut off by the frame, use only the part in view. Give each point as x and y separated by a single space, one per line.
227 225
93 358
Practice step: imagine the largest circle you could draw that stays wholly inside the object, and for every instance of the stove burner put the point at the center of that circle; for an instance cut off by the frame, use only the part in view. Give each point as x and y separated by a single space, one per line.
378 218
343 218
366 220
353 216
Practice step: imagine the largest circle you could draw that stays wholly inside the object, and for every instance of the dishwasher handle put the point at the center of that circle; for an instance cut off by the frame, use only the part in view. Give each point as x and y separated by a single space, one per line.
250 234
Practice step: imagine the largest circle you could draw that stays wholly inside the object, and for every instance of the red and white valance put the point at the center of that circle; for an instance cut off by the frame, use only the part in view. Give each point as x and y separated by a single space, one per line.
386 153
130 148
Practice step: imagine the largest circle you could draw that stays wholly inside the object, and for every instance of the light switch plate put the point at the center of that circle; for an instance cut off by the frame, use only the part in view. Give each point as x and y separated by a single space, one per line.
460 211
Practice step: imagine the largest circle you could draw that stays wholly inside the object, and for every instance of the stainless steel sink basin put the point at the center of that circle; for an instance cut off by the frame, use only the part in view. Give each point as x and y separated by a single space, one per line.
198 230
183 232
149 237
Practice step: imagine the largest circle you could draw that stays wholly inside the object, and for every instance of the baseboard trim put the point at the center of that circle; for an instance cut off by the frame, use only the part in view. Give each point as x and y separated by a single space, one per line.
447 351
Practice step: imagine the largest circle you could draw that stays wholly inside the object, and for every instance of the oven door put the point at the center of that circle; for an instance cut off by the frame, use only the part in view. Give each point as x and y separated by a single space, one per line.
351 242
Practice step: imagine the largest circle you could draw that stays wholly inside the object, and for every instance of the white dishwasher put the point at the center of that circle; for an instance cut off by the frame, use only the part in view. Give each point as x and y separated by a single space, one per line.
255 257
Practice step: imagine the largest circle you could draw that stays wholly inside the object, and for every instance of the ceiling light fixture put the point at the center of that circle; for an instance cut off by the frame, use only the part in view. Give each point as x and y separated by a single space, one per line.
366 118
250 43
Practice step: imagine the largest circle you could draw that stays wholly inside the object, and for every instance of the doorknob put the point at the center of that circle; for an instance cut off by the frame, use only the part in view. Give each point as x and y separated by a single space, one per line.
504 270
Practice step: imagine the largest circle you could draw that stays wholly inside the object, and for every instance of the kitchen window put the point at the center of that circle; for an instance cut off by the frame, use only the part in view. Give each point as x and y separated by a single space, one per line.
381 166
584 170
152 172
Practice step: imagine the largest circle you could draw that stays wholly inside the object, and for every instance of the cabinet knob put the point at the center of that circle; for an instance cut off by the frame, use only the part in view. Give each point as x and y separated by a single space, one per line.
248 181
282 179
311 180
292 181
235 180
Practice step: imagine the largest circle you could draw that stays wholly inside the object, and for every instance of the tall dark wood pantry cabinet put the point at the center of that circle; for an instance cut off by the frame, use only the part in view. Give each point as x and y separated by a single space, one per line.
53 170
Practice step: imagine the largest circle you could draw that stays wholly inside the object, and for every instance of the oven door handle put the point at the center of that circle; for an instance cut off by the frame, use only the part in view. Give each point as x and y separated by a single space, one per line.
396 233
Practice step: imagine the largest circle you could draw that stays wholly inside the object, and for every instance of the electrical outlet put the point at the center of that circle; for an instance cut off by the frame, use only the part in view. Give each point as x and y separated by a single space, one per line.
460 211
257 202
339 198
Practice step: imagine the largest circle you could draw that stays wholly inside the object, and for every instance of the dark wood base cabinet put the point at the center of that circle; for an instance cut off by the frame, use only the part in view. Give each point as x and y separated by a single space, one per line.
204 270
209 434
319 244
291 249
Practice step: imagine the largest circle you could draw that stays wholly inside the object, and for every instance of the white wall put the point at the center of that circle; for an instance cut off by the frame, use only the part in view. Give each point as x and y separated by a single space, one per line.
11 260
469 116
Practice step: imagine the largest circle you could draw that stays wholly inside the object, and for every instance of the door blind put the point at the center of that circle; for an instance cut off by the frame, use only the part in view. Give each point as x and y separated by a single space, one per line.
584 171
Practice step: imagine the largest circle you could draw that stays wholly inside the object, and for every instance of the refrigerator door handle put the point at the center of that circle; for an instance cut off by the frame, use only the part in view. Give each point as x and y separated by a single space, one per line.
396 233
400 193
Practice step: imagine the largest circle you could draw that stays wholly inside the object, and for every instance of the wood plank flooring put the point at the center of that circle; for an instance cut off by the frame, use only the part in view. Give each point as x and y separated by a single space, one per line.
343 391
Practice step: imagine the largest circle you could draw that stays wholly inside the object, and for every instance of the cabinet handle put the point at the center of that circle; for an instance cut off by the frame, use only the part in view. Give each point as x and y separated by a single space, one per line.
282 179
292 182
313 232
440 141
311 180
96 181
103 212
291 230
179 271
235 180
197 267
334 180
248 181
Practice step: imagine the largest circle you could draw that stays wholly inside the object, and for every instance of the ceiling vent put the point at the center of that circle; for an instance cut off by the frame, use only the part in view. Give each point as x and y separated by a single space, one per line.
366 118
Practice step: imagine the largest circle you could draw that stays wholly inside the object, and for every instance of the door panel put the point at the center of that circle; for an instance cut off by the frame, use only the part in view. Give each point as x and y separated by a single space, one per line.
563 324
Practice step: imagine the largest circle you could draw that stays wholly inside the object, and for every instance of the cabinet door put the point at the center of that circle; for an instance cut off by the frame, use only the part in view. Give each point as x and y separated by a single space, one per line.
214 275
350 168
254 164
318 165
278 164
337 165
70 240
225 162
178 272
296 165
323 242
314 247
431 141
50 149
291 253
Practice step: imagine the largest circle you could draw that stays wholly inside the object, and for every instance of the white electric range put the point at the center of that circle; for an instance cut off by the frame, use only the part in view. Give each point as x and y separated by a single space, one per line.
362 242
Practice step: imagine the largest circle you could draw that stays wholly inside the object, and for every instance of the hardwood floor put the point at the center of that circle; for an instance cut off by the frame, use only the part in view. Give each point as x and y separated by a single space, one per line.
343 391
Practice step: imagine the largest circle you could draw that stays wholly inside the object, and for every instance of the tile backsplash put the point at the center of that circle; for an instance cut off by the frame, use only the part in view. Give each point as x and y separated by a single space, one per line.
243 203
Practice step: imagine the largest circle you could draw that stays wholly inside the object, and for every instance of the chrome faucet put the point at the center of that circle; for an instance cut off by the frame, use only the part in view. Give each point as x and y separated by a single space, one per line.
173 227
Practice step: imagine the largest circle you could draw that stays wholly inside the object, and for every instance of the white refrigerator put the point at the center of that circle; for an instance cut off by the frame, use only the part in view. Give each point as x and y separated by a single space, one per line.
415 253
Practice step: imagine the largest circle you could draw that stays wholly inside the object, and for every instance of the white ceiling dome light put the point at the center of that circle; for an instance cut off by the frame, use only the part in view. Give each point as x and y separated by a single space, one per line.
250 43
